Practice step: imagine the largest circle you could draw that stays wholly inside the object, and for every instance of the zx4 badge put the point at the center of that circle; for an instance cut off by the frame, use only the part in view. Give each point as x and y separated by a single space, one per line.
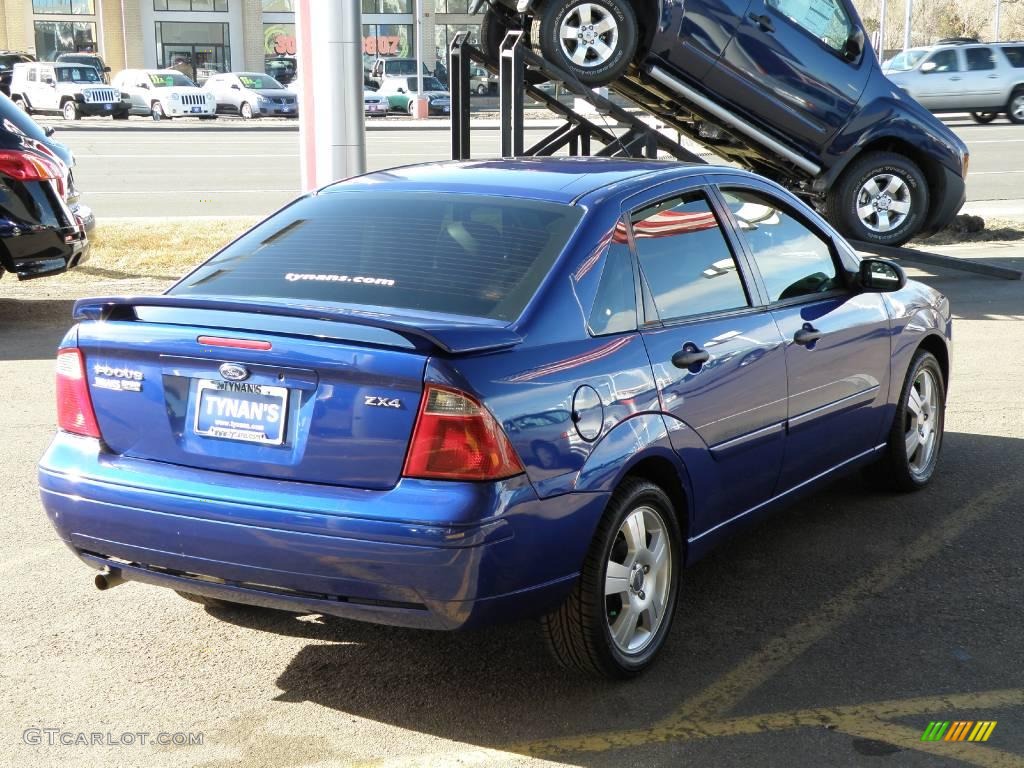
382 402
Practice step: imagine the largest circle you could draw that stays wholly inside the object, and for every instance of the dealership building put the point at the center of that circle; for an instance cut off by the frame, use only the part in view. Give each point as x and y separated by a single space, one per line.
214 35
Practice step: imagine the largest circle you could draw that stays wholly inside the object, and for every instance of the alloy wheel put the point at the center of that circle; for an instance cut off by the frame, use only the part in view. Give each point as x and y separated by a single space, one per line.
922 424
1017 107
883 202
638 580
589 35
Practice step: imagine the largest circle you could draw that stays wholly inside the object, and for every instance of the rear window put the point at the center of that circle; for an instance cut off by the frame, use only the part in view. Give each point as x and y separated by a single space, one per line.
1015 55
436 252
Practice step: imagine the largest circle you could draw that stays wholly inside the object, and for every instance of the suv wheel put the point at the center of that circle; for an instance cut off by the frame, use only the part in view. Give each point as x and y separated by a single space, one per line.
621 609
70 111
595 41
984 117
881 198
1015 107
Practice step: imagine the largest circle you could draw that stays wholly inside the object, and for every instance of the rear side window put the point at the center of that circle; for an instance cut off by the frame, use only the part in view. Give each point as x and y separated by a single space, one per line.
32 75
685 258
614 309
429 251
1015 55
793 260
979 59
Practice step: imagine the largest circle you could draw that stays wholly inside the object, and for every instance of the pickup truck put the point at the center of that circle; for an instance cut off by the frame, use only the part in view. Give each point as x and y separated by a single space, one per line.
790 89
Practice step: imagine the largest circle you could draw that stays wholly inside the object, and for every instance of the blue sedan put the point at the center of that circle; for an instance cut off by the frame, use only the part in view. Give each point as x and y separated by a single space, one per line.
564 381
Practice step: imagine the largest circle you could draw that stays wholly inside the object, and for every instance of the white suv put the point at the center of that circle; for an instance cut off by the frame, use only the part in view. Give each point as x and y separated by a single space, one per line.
165 93
984 79
72 90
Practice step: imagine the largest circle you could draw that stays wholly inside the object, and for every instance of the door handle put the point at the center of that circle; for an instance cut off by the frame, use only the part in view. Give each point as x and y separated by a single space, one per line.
807 335
954 79
764 21
690 356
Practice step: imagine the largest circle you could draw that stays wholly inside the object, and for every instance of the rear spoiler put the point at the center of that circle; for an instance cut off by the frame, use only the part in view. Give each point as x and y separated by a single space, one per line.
452 336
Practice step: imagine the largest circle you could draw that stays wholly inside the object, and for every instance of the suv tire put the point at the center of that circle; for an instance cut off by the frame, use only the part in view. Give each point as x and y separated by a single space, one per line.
22 104
70 110
579 633
984 118
605 39
881 198
494 25
1015 107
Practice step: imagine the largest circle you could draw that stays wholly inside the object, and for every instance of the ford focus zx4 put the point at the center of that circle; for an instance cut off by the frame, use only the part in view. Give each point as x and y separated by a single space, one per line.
565 380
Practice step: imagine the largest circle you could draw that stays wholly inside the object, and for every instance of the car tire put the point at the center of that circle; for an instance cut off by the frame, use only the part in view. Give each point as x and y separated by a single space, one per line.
22 104
158 111
855 203
915 438
410 107
70 111
590 632
984 118
1015 107
245 111
494 25
579 55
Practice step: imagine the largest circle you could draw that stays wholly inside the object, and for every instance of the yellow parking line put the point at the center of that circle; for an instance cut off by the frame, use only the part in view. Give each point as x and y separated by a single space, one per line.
867 720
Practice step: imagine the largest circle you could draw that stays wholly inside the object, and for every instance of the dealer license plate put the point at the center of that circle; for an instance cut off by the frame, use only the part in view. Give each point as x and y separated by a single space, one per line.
251 413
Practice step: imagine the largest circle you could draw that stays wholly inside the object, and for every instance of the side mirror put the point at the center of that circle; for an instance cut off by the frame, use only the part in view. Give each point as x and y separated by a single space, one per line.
928 67
49 81
881 276
145 86
854 45
401 90
49 131
235 87
106 69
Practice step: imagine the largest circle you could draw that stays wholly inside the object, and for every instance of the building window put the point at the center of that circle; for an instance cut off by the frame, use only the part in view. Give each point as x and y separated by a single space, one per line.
278 6
190 5
68 7
57 37
387 6
445 33
380 40
198 50
452 6
279 51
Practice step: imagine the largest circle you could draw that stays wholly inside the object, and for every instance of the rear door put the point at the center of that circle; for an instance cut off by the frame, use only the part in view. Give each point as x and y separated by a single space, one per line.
717 356
836 339
980 86
786 68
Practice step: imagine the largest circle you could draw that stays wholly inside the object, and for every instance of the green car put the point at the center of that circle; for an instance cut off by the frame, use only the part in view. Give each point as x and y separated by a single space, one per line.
399 91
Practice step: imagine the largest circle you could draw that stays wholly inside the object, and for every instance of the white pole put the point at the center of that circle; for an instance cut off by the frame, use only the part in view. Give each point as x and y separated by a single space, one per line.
995 24
332 141
419 50
881 30
906 24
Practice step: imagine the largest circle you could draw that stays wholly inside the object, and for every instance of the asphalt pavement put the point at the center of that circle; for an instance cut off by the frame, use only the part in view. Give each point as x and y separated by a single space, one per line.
830 635
229 167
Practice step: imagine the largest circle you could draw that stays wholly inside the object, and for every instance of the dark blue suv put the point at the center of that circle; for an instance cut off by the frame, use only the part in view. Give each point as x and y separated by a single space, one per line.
789 89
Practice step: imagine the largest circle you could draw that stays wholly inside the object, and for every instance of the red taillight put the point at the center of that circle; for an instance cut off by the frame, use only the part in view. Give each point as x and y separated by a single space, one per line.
456 438
74 406
27 166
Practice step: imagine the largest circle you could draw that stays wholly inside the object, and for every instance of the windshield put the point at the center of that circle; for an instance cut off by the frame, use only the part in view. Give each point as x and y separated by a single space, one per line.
453 253
905 60
78 75
429 84
170 79
259 83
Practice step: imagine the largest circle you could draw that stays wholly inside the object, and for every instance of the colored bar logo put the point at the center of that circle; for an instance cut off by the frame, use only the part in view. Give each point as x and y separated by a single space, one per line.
959 730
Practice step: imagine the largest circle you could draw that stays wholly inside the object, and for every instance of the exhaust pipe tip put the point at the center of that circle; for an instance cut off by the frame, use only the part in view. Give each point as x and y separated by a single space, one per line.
108 578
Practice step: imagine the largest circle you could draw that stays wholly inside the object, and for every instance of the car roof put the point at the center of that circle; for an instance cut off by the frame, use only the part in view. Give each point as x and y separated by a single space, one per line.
555 179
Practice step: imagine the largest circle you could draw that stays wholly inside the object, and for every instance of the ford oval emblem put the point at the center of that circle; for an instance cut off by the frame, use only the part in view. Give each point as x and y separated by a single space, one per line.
234 372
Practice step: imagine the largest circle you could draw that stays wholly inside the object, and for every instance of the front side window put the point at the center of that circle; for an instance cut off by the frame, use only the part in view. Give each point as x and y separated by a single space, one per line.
980 59
686 262
793 260
826 20
943 61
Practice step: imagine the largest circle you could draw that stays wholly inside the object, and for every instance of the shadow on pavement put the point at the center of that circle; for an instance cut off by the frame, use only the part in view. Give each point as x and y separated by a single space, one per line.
497 686
33 328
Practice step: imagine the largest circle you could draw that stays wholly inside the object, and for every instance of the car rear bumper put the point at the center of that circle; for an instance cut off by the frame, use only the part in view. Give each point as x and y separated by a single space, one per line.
316 549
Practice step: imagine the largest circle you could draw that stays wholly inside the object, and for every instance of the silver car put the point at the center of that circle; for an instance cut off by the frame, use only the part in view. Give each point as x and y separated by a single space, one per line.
252 94
984 79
